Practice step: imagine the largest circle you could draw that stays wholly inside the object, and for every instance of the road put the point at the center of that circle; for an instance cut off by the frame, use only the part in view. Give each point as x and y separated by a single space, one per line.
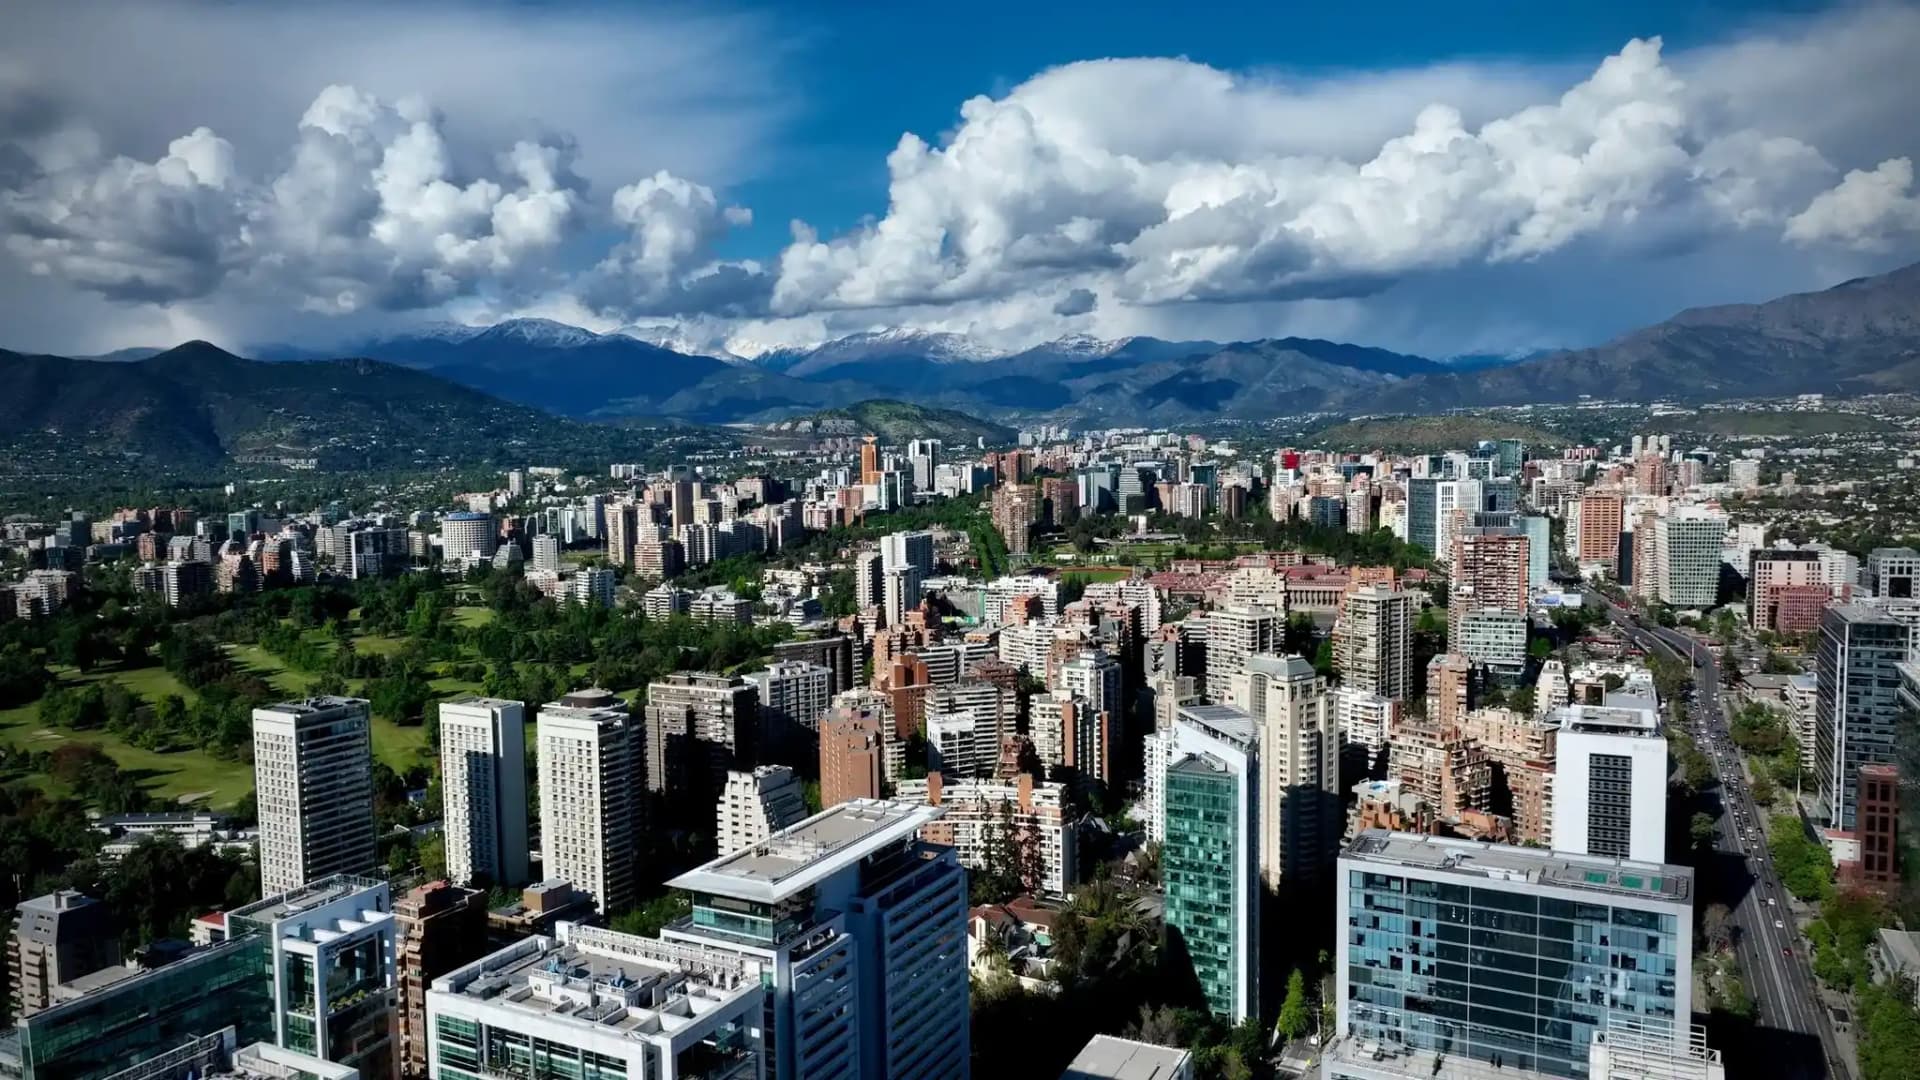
1772 954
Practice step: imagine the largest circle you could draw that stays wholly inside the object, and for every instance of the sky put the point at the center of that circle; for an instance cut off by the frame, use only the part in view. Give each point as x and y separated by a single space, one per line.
1438 179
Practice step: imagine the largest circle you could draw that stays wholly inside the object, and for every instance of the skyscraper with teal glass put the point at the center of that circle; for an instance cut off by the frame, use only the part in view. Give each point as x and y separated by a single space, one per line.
1210 859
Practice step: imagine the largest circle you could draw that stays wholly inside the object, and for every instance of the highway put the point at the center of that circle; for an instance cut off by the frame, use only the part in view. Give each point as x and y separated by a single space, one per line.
1774 959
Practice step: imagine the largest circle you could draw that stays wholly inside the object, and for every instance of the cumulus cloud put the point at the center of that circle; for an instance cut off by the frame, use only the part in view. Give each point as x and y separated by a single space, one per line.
1077 302
665 266
1139 170
1868 210
370 210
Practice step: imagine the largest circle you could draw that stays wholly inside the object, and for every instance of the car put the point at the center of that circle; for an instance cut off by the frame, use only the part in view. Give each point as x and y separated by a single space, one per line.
1771 902
1786 952
1778 925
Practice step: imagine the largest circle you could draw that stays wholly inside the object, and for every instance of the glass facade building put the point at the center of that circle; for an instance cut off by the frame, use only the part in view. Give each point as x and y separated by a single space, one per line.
142 1017
1857 703
1200 852
1514 957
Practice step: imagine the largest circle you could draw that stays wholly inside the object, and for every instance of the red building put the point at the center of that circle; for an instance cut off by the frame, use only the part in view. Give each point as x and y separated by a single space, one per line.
1875 823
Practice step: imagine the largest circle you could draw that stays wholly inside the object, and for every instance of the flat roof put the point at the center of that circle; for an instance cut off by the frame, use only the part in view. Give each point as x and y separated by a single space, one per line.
1222 720
1621 878
1609 720
802 855
308 706
1108 1057
304 899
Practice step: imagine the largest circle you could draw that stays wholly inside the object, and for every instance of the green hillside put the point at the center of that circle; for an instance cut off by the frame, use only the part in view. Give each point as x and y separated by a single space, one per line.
895 422
1429 433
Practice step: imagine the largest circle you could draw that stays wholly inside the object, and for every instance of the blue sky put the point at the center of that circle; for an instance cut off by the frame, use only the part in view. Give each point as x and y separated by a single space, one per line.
1434 178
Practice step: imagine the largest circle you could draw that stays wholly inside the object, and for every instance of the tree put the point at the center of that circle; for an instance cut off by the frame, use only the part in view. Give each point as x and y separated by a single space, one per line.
1295 1020
1717 925
1701 829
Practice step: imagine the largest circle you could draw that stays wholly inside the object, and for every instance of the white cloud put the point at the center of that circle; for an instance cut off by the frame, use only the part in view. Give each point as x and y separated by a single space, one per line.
1868 210
1149 176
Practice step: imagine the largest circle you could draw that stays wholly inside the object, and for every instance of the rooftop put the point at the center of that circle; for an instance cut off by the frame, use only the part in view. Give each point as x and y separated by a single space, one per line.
1222 721
1608 720
1108 1057
313 705
307 898
803 855
630 985
1623 878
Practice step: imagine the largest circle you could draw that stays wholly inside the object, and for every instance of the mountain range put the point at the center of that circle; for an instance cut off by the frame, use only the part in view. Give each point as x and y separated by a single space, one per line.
197 404
1858 337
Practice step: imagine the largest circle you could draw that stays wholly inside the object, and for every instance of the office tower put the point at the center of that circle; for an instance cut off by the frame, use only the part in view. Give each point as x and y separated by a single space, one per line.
1299 775
1776 580
1233 634
440 927
852 751
869 460
1375 651
1030 825
699 725
624 530
464 534
1454 503
590 1002
591 772
57 938
1539 532
1599 943
1891 572
313 779
483 785
1450 688
791 696
755 805
1858 705
1423 512
1210 858
330 948
866 965
546 553
1015 508
1610 782
1687 546
185 1012
1489 571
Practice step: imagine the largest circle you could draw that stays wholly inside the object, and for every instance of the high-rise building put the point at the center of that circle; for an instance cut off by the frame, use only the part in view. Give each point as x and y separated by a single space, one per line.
440 927
869 460
1876 827
1031 824
792 695
546 553
1375 649
1015 508
56 939
1892 571
1610 782
1439 930
590 786
861 931
313 779
699 725
1423 495
624 532
1450 688
1234 634
1771 572
1299 775
835 653
853 743
1492 638
596 1003
1687 545
330 947
1489 572
1455 503
463 534
755 805
483 785
1210 858
1858 707
1597 528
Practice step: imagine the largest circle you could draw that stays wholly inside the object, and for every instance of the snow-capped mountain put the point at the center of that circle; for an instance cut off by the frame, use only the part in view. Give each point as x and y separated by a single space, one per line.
540 333
669 336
